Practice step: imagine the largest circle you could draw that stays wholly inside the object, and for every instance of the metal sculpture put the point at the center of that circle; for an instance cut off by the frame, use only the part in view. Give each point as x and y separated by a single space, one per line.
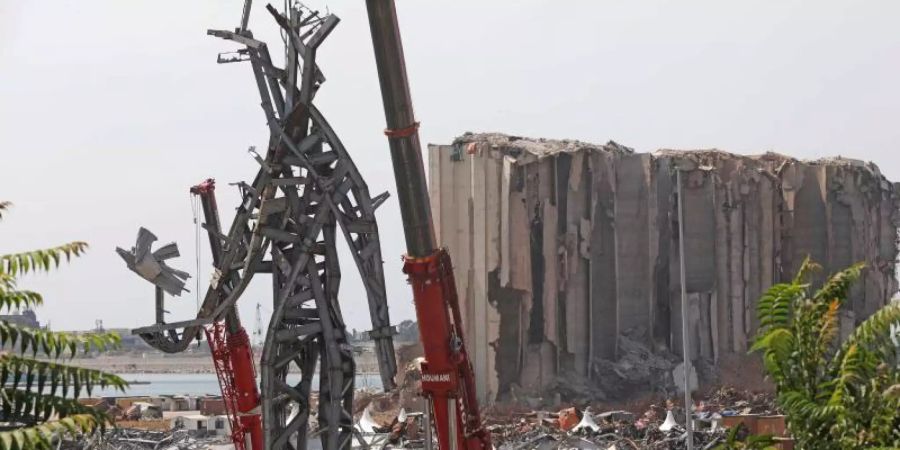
151 266
306 188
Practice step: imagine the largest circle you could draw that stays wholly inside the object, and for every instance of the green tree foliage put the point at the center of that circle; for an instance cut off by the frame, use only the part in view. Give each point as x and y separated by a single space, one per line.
836 395
739 438
39 389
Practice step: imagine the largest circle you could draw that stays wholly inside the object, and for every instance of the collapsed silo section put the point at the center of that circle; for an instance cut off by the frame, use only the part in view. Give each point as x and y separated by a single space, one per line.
838 212
567 265
520 218
731 212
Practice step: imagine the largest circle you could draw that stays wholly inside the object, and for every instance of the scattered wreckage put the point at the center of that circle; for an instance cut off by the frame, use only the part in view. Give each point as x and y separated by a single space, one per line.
660 426
135 439
382 423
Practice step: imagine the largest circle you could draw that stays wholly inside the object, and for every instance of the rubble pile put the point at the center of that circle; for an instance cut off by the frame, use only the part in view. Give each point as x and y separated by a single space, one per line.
607 435
384 407
133 439
561 248
138 410
638 370
731 401
660 426
518 426
383 423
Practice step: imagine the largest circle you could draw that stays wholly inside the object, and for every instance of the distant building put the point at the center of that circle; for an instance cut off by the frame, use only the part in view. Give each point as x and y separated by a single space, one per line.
207 425
212 406
26 318
126 402
130 342
177 402
407 331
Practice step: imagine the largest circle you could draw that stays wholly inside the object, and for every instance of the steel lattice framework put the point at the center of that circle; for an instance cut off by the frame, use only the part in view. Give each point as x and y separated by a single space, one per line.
306 192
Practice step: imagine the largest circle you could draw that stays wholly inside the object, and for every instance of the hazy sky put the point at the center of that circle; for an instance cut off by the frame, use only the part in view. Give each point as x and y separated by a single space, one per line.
110 110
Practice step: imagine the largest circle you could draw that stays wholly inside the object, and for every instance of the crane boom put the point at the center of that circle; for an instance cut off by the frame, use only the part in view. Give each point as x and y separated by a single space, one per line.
448 381
230 346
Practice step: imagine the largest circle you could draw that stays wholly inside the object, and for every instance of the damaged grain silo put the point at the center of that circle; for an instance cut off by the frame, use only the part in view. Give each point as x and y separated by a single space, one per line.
566 253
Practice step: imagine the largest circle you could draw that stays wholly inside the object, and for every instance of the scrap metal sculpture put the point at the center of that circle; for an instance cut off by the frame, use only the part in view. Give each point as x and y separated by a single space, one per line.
151 266
307 187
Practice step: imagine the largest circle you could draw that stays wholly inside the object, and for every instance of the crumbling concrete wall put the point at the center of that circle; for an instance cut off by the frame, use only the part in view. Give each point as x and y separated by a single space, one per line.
839 212
566 253
731 206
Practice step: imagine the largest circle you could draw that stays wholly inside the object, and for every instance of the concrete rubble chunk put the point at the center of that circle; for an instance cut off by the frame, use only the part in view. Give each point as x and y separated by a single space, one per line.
669 424
366 423
587 423
566 255
616 416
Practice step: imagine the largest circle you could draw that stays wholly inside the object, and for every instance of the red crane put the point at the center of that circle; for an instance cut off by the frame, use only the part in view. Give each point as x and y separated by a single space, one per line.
448 381
230 346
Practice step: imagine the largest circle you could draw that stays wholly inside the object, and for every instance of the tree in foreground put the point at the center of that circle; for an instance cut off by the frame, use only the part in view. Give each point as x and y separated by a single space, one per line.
39 389
835 395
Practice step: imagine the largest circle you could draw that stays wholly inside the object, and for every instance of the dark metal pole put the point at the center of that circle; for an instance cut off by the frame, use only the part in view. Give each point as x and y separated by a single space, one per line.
207 193
160 305
245 17
685 318
402 129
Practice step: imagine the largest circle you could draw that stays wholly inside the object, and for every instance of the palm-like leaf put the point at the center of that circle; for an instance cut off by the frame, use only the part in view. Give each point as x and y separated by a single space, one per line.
873 333
46 378
839 284
43 436
850 373
13 298
774 308
835 396
40 260
734 441
33 391
828 328
893 392
807 267
54 344
4 206
23 406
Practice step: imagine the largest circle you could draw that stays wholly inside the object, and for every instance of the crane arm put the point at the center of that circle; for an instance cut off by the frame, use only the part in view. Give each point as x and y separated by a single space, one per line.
230 346
448 381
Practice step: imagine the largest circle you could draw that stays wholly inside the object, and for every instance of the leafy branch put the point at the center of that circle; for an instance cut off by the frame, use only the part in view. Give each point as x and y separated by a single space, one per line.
40 260
50 378
11 297
43 436
39 398
836 395
54 344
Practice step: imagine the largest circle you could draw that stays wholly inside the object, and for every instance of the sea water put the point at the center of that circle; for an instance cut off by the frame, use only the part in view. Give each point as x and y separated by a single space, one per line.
200 384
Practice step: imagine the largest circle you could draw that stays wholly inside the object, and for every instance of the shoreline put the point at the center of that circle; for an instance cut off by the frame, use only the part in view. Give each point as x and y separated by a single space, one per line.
157 363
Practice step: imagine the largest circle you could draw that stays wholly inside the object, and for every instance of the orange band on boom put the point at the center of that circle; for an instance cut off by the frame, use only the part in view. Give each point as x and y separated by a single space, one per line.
402 132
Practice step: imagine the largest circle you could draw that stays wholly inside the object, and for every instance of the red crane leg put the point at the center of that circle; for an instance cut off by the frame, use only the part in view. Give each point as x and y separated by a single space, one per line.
233 360
441 421
446 372
245 388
